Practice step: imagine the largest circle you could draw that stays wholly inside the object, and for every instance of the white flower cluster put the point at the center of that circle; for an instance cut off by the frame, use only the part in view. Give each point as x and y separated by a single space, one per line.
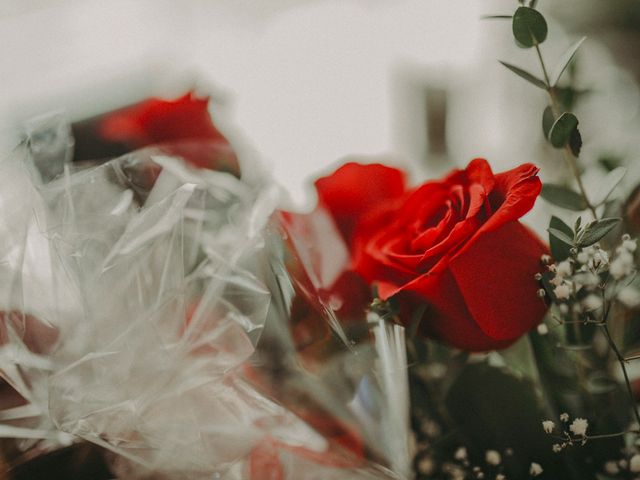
577 432
580 282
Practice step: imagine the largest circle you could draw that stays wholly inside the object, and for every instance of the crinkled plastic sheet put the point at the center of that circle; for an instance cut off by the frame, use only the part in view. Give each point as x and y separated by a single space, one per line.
148 308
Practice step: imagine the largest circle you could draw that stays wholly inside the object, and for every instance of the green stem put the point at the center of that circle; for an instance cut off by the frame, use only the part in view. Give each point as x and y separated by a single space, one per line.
568 155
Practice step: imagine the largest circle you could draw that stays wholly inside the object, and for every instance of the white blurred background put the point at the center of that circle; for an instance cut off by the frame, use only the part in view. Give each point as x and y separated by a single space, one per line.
310 82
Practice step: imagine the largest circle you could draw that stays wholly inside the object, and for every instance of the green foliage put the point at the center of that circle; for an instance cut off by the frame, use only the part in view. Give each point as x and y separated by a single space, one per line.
609 162
560 249
562 129
564 61
596 230
526 75
548 120
563 197
529 27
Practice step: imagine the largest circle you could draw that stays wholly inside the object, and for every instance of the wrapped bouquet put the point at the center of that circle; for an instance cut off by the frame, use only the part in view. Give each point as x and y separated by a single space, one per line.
165 314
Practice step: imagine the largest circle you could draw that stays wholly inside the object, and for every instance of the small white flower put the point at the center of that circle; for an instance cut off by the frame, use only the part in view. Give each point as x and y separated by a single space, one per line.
629 297
535 469
582 257
564 417
611 468
500 476
426 466
460 454
556 448
545 259
564 308
622 265
592 302
543 329
548 426
579 427
493 457
630 245
563 268
634 463
562 291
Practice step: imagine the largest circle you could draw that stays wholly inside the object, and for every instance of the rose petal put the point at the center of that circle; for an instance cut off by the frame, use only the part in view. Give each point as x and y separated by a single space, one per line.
354 190
495 275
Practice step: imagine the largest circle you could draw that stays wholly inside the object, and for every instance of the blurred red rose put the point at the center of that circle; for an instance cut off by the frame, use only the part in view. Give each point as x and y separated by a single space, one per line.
183 127
455 244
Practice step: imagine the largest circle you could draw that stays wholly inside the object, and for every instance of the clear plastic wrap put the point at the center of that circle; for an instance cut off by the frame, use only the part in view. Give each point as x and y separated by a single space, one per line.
173 316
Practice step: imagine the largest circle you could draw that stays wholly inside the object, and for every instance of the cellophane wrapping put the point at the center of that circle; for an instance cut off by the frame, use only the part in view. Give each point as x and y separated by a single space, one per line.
174 316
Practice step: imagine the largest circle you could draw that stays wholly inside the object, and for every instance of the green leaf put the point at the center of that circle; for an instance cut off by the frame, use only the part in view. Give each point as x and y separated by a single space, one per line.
547 121
496 17
609 162
564 61
560 250
596 230
563 197
575 142
561 130
529 27
608 184
576 225
526 75
560 235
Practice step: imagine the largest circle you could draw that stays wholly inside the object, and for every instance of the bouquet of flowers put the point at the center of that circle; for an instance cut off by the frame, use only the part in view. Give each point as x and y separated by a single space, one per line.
165 314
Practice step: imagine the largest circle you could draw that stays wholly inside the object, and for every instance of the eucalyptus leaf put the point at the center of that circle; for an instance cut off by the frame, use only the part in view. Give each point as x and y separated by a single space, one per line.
596 230
496 17
548 120
563 197
560 235
560 250
526 75
562 128
564 61
575 142
529 27
608 184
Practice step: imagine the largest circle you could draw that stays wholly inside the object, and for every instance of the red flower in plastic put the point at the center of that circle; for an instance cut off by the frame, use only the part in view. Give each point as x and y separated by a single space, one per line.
455 244
160 121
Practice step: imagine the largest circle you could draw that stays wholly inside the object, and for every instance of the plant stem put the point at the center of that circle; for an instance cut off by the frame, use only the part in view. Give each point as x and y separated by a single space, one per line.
567 153
621 360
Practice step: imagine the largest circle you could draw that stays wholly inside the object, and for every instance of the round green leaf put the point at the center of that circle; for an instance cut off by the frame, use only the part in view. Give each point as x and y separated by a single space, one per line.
529 27
547 121
562 129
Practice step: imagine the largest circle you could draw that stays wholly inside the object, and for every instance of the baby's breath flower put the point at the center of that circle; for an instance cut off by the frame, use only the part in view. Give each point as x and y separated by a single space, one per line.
426 466
622 265
634 463
500 476
564 417
611 468
460 454
629 297
592 302
535 469
548 426
545 259
562 291
556 447
579 427
563 268
630 245
492 457
541 293
542 329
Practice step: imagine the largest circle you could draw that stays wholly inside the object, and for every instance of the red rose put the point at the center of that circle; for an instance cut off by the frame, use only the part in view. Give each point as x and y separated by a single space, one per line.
183 127
455 244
